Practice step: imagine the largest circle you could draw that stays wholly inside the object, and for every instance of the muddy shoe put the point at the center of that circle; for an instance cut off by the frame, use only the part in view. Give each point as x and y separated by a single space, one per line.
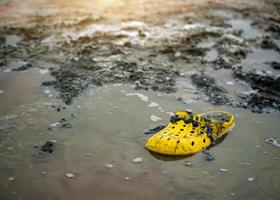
188 133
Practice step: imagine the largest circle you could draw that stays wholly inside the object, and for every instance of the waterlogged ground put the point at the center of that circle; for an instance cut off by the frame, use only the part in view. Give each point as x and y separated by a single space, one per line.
85 80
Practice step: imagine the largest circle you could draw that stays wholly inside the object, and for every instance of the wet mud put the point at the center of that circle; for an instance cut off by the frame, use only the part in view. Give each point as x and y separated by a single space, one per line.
98 77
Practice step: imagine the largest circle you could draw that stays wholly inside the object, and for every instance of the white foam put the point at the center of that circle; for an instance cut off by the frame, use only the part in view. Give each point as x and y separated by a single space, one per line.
141 96
153 104
47 91
155 118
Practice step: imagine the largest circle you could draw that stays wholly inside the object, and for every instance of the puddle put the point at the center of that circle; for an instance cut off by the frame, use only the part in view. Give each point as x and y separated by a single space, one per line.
211 55
108 127
239 23
260 59
261 56
206 44
20 88
246 26
227 14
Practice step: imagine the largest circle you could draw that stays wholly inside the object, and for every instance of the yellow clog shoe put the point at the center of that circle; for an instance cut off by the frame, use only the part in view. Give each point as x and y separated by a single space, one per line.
188 133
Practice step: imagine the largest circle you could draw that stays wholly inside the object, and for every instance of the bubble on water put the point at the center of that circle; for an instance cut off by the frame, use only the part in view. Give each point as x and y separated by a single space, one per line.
251 179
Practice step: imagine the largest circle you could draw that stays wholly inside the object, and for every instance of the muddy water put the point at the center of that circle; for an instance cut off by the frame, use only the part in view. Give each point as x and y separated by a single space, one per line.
237 22
108 126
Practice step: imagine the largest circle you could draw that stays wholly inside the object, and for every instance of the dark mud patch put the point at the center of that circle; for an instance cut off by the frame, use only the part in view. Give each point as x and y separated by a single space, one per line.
72 81
263 99
156 78
260 80
275 65
266 97
259 102
215 94
23 67
268 43
47 147
68 83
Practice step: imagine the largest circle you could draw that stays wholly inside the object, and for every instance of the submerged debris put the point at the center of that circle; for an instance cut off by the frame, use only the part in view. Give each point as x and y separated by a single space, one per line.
155 130
273 141
275 65
209 156
23 67
62 124
45 148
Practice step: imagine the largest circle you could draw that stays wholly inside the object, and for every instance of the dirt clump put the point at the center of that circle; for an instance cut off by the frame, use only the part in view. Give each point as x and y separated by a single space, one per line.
214 94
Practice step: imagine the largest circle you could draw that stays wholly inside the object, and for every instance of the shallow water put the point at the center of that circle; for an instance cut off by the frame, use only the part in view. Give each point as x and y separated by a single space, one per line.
238 22
260 59
108 129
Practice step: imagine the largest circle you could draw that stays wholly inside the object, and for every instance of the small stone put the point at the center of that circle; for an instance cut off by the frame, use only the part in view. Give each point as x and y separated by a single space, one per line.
88 154
232 194
127 178
210 157
137 160
69 175
223 170
11 178
1 91
55 124
109 166
44 172
251 179
10 148
188 163
66 125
